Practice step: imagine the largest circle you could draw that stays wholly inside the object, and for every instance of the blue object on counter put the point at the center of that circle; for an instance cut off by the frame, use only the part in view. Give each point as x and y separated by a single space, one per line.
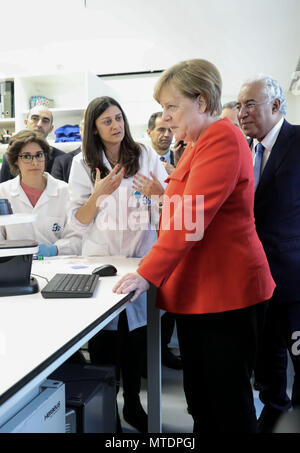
5 207
47 250
79 267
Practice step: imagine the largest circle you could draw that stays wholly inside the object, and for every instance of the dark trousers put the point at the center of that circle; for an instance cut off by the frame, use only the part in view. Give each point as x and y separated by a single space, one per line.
281 334
124 349
218 352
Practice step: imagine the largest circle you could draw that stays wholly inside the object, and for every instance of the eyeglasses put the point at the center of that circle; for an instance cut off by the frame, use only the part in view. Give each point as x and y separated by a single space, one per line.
250 106
28 158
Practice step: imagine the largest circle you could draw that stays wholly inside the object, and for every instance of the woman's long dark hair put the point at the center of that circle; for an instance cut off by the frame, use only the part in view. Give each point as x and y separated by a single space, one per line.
93 145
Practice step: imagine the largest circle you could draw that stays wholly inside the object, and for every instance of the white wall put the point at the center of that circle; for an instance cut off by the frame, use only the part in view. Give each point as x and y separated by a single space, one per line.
293 109
293 98
135 97
242 38
137 101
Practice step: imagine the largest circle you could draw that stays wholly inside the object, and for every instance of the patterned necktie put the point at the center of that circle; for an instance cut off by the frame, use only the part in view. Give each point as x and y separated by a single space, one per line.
257 163
163 159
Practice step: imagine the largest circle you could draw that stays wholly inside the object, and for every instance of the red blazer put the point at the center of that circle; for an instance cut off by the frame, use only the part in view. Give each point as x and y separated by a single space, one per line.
227 269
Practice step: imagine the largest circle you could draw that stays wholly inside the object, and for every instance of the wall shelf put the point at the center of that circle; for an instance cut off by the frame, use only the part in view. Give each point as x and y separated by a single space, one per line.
7 120
71 93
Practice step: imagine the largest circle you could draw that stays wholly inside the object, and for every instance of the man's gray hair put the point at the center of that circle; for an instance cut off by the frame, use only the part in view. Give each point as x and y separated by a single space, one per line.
272 90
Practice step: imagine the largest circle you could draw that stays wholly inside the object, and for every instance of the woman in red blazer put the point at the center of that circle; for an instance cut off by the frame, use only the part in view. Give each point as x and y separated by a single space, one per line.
208 263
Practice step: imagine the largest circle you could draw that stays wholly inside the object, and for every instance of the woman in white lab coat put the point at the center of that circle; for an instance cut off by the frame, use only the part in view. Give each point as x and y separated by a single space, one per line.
114 219
36 192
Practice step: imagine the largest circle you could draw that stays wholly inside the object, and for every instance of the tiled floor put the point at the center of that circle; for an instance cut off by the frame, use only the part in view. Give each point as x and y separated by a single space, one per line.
175 418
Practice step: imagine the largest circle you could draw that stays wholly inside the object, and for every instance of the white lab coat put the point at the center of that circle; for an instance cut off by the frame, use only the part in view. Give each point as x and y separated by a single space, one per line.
51 226
122 224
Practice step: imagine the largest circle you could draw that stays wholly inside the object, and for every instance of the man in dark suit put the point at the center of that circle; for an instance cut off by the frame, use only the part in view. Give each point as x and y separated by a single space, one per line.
161 139
62 165
261 106
39 119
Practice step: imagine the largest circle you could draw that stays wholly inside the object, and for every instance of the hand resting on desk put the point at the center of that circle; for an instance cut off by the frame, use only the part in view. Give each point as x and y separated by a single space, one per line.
132 282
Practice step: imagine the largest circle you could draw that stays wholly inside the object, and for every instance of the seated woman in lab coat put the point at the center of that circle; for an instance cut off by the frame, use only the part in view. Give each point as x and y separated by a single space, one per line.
37 192
116 220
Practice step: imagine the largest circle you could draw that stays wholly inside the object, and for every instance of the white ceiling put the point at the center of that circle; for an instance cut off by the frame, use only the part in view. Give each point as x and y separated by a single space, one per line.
242 37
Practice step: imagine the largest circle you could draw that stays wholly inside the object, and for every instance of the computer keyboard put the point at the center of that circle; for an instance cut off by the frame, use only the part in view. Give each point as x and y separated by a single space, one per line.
70 286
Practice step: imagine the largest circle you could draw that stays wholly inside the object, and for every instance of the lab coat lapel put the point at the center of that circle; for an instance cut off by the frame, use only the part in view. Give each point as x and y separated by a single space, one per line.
18 193
50 190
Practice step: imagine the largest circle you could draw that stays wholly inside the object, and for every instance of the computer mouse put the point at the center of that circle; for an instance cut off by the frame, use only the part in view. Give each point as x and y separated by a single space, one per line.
106 270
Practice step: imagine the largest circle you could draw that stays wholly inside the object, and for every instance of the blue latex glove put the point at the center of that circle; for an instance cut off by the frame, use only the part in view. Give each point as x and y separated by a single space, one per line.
47 250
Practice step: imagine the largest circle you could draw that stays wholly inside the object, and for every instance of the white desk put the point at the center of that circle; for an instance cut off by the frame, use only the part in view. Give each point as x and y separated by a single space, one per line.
37 335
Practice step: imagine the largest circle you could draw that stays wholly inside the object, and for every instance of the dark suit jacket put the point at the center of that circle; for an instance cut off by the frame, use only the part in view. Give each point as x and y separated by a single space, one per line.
62 165
277 212
5 173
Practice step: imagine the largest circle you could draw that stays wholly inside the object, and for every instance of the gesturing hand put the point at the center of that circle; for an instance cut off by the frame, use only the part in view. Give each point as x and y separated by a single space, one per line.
132 282
110 183
147 186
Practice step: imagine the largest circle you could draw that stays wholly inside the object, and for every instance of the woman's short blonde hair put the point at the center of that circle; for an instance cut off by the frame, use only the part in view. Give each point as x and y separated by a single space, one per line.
191 78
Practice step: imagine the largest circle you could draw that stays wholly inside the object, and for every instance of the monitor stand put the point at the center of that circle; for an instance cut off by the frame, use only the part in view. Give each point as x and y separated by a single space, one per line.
16 290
